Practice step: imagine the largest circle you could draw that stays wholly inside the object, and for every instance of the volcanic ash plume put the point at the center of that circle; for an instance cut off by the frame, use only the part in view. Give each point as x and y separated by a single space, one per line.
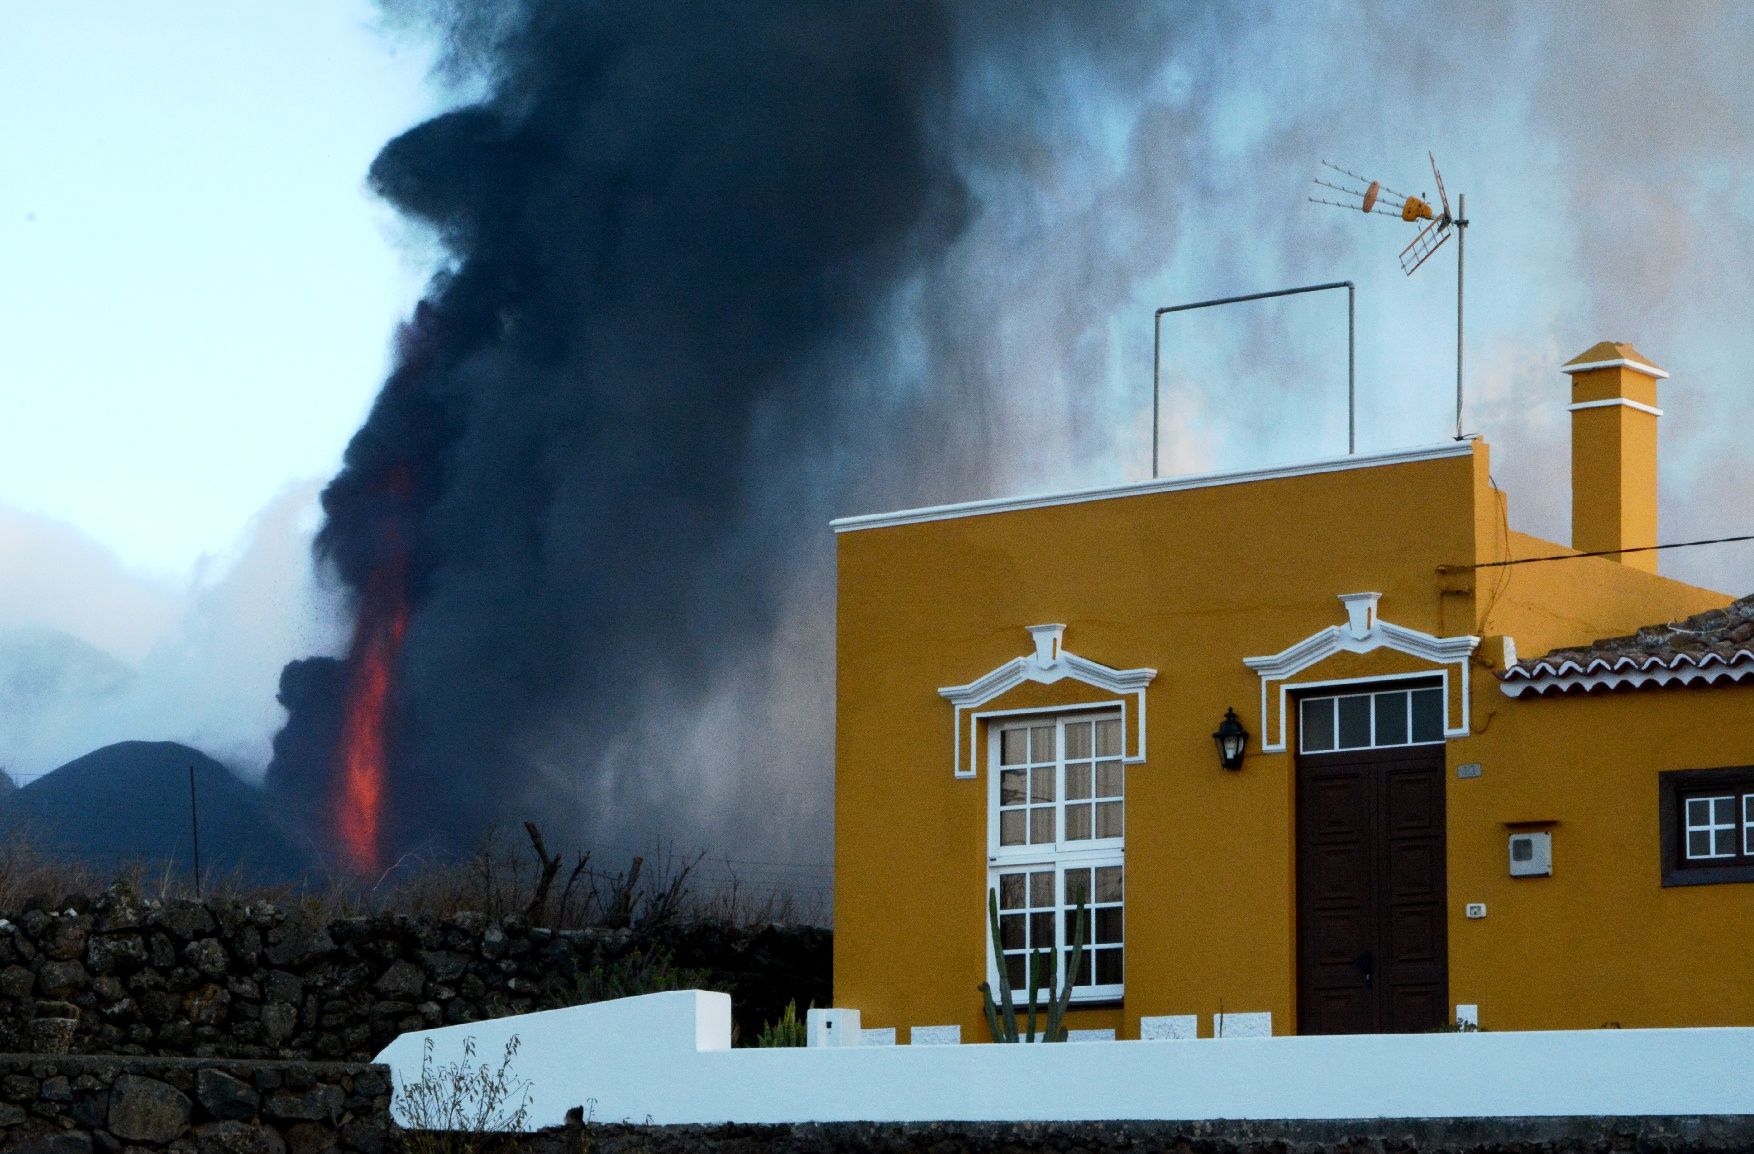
667 223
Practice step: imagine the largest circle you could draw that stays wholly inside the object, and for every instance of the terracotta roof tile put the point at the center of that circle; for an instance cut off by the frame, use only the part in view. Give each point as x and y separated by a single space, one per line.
1716 641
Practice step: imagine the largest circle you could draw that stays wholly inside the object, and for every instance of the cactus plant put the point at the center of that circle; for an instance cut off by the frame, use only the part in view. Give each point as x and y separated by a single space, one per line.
1002 1015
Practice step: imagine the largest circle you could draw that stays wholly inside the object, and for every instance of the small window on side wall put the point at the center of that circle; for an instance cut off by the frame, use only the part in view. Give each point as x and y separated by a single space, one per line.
1707 825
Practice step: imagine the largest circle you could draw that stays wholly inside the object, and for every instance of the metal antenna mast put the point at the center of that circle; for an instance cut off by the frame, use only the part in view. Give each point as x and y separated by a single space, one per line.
1373 197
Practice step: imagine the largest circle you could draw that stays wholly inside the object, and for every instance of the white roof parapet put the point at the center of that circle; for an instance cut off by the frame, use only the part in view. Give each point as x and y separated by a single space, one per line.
1156 485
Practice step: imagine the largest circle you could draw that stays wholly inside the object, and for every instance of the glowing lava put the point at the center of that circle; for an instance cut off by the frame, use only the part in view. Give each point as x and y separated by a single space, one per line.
377 639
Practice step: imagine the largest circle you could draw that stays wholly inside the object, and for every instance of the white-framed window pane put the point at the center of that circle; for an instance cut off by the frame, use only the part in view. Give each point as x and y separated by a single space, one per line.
1041 783
1041 929
1316 727
1041 744
1078 823
1012 828
1391 718
1748 824
1077 887
1108 738
1012 891
1041 888
1427 715
1078 782
1711 827
1108 883
1111 778
1354 721
1014 747
1078 739
1108 819
1041 825
1013 784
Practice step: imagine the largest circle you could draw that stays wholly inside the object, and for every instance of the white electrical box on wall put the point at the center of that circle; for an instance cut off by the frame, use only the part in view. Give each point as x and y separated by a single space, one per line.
1531 855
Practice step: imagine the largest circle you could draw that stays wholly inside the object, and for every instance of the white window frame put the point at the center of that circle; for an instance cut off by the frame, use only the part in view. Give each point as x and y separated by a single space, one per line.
1711 826
1060 855
1372 690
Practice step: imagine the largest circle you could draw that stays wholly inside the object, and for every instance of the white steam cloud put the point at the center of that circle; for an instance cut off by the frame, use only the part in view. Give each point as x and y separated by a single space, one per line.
91 653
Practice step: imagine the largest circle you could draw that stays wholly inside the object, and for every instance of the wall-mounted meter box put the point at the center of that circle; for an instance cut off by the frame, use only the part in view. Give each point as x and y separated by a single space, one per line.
1531 855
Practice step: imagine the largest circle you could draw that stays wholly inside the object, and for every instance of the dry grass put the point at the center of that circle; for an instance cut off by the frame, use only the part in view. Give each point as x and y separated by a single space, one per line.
511 872
28 873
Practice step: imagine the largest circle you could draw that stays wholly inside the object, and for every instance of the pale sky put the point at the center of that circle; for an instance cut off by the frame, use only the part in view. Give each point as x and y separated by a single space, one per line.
196 289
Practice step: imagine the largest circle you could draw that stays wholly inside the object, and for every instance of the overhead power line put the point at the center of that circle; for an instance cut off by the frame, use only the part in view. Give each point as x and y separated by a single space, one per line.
1596 553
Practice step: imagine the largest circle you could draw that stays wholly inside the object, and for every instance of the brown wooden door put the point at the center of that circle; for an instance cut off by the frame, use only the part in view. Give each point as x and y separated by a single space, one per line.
1371 899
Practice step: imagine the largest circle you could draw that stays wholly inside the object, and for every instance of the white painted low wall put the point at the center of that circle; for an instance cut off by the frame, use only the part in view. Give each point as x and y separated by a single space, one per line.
668 1057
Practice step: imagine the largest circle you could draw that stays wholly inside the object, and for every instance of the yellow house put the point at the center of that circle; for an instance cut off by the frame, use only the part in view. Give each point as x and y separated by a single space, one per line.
1421 826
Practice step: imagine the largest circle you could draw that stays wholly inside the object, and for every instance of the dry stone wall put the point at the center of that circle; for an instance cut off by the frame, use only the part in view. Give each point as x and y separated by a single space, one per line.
71 1104
258 980
1723 1134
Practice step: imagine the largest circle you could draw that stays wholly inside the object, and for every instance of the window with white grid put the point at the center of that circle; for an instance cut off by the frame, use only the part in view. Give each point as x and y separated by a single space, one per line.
1055 840
1718 827
1706 817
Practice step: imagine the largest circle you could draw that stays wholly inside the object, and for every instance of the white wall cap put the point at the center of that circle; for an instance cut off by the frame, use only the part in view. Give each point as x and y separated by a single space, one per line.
1169 1027
935 1036
831 1027
1156 485
1256 1024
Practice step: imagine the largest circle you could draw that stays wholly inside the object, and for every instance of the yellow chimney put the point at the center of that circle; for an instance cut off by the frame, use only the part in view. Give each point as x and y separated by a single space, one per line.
1614 451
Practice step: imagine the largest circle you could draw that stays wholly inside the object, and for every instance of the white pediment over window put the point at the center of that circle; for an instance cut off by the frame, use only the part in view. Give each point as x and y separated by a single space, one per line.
1363 632
1048 662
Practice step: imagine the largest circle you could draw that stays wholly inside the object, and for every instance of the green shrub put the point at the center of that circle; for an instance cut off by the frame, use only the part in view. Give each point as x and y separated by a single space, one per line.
787 1031
638 971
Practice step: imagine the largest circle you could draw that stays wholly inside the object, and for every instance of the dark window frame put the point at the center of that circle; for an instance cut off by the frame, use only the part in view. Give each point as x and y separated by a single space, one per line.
1676 785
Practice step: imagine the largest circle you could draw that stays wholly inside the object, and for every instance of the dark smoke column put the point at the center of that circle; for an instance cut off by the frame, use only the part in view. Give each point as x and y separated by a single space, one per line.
662 220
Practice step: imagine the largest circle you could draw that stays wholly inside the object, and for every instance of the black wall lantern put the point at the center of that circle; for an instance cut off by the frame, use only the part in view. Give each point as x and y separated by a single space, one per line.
1231 738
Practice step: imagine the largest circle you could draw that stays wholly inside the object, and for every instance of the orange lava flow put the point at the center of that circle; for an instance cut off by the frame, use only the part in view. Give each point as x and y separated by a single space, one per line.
359 806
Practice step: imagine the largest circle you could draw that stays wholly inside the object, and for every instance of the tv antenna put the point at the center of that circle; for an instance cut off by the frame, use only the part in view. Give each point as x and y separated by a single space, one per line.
1372 196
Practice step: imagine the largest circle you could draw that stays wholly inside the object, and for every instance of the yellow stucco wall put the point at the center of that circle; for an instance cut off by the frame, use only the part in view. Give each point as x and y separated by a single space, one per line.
1190 583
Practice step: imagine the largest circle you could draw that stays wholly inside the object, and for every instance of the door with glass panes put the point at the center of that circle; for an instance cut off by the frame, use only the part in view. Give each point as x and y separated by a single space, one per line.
1372 900
1055 841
